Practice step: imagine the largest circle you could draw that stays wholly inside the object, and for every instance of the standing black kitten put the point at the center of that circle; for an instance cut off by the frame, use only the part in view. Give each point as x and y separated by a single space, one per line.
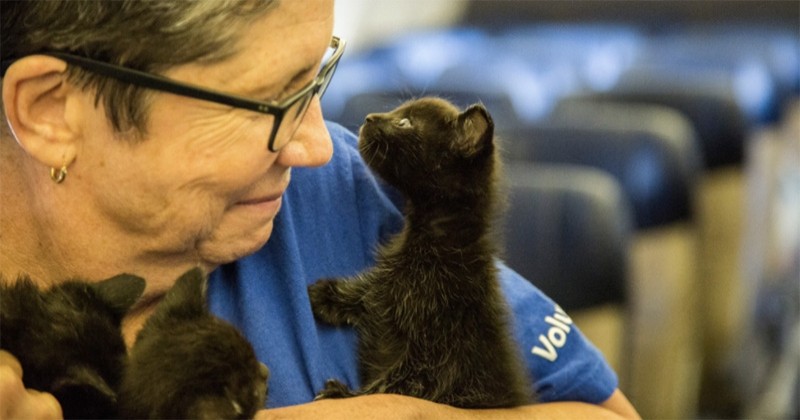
186 363
68 339
430 315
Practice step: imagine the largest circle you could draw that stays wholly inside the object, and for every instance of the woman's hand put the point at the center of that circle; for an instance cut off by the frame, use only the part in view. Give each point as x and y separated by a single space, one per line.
378 406
16 402
389 406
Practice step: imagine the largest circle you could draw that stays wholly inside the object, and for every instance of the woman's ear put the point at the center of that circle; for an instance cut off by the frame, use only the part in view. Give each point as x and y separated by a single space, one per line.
35 102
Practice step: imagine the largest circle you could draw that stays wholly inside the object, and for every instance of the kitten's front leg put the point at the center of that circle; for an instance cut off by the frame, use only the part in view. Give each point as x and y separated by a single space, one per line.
337 301
335 389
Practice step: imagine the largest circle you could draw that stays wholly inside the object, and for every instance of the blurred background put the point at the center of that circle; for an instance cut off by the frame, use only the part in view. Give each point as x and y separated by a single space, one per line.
653 158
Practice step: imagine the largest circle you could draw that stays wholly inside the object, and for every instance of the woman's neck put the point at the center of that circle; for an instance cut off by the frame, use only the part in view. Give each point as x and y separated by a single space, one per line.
28 248
48 233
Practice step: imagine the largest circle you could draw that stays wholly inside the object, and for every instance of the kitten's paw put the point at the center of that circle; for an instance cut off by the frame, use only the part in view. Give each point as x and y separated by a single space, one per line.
325 302
334 389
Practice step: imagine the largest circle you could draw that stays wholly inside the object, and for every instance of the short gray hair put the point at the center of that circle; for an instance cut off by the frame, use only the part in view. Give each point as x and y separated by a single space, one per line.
148 35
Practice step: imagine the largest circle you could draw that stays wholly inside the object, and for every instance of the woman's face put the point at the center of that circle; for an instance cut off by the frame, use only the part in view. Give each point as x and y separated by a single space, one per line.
203 181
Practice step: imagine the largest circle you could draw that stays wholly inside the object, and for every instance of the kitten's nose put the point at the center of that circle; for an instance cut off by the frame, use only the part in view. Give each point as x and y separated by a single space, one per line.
372 118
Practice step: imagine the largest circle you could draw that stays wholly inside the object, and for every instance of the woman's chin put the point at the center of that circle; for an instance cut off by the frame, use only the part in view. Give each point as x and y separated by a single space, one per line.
228 246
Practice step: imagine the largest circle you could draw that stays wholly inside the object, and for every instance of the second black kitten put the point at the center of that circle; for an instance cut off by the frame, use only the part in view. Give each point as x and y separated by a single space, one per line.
431 319
68 339
189 364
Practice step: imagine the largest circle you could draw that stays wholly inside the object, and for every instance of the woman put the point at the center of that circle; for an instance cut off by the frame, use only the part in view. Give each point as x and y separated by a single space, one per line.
105 170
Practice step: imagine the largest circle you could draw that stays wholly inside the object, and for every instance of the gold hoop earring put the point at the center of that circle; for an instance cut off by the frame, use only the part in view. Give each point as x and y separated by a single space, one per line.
58 175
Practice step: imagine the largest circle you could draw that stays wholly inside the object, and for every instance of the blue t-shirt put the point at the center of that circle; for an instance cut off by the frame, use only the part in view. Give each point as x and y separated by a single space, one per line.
331 221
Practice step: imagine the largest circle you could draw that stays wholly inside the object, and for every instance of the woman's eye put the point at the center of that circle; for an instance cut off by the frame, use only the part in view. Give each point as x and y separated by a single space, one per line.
403 123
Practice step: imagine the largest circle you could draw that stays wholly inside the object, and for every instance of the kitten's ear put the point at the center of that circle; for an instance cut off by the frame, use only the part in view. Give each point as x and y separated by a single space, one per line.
187 296
120 292
477 129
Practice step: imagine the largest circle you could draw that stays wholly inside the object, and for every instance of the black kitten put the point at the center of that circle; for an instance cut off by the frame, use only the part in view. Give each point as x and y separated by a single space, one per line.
68 339
431 318
186 363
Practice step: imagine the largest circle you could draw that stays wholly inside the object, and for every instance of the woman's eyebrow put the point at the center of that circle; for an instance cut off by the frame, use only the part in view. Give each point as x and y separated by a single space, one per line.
274 88
301 75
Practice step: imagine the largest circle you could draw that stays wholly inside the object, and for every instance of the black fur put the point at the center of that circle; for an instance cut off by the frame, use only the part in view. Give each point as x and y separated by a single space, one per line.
186 363
431 319
68 339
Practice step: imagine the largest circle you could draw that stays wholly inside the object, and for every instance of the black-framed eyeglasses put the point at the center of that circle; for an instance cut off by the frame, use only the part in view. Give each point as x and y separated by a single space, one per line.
291 109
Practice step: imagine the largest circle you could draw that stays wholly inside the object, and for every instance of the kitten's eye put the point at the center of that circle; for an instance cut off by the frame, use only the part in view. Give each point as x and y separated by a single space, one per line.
403 123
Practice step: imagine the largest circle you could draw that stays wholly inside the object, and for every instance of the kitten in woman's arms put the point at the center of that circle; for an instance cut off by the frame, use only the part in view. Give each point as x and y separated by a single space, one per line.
187 363
68 339
431 319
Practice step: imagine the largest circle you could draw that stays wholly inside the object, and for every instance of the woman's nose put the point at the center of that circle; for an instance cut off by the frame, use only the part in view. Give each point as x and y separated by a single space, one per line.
311 144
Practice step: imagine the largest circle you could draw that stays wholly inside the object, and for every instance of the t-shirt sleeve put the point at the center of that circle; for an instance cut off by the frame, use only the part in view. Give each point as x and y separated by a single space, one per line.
563 364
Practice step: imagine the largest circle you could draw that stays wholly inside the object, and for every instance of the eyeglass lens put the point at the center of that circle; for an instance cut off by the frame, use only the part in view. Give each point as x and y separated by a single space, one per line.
296 112
291 121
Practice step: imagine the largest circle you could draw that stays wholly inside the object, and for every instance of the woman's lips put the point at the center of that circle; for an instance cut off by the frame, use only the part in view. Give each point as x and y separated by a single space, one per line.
268 205
261 200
